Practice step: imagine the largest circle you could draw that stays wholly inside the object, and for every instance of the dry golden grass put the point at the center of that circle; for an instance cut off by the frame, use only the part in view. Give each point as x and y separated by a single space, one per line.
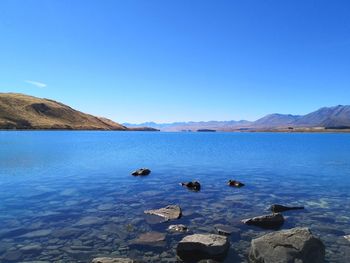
19 111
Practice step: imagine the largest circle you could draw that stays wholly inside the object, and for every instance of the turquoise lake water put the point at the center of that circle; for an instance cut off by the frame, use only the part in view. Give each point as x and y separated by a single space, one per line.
69 196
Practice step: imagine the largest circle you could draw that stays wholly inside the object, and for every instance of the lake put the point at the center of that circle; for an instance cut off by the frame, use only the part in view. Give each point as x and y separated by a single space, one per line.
69 196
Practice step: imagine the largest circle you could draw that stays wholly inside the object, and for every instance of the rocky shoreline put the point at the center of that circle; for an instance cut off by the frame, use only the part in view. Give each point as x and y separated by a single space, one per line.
157 239
292 245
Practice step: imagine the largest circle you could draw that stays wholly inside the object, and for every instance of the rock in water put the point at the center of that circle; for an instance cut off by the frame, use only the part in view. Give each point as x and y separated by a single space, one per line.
169 212
293 245
273 221
112 260
178 228
235 183
153 219
149 238
203 246
224 229
11 256
195 186
141 171
31 249
347 237
282 208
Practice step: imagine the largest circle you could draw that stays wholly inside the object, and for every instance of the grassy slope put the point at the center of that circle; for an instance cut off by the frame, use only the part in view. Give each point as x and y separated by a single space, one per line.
18 111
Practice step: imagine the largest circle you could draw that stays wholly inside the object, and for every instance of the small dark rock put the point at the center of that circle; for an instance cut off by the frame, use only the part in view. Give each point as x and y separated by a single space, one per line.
282 208
224 230
194 186
273 221
141 171
235 183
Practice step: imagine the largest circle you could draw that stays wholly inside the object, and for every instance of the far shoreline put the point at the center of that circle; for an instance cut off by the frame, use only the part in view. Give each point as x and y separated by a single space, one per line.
325 131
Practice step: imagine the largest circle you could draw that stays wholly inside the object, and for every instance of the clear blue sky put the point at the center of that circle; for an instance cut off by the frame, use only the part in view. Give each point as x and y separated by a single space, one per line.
178 60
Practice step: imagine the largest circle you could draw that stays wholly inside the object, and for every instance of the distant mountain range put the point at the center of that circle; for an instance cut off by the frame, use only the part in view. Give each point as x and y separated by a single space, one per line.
19 111
337 117
192 126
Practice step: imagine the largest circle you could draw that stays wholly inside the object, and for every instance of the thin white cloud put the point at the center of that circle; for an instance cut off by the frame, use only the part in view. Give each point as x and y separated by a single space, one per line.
36 83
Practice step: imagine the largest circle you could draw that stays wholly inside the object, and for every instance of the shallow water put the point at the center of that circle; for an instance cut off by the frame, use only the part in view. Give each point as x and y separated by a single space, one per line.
69 196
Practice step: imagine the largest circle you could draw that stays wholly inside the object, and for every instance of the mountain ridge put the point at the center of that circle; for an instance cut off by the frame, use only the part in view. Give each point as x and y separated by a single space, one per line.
325 117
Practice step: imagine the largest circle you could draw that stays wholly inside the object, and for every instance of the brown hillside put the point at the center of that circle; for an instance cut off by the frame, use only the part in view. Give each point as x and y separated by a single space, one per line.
18 111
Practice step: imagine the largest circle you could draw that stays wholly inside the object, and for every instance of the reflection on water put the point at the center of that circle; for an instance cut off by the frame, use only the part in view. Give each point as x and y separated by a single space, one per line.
69 196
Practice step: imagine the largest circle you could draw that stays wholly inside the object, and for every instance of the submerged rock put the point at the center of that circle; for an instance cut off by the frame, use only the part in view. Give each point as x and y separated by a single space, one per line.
178 228
31 249
203 246
38 233
282 208
153 219
112 260
169 212
105 207
9 233
235 183
272 221
149 238
11 256
293 245
66 232
195 186
69 192
76 254
141 171
89 220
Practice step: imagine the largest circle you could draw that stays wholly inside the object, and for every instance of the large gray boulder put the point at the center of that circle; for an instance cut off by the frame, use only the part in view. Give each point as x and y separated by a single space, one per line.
296 245
203 246
169 212
112 260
